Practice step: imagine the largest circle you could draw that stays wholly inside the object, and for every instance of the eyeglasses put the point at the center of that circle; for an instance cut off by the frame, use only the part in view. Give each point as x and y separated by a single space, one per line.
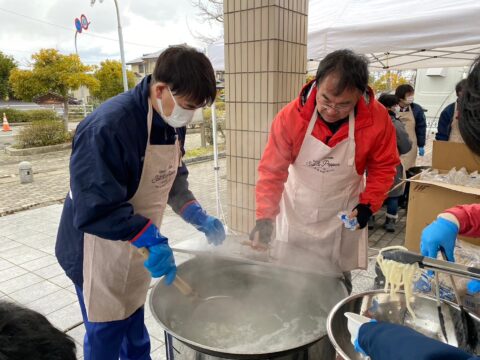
337 108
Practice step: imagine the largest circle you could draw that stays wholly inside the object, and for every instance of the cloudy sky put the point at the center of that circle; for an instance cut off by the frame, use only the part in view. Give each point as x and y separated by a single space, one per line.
148 26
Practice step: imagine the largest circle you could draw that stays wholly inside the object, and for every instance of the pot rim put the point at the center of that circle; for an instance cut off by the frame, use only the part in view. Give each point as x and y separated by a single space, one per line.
221 353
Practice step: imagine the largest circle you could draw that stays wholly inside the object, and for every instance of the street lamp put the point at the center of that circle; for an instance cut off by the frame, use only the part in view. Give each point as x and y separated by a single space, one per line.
120 39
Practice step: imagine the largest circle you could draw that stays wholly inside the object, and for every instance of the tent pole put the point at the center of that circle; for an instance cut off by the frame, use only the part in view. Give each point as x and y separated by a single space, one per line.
216 168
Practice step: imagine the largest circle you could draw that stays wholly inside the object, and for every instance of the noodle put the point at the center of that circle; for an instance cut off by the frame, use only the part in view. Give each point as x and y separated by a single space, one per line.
398 274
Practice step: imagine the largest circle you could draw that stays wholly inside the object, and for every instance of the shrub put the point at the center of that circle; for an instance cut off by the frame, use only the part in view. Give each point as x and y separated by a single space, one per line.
220 105
207 116
42 133
18 116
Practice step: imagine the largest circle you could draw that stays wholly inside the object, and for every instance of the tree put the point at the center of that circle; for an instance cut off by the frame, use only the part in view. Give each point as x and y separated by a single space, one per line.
7 64
389 81
110 80
52 72
211 12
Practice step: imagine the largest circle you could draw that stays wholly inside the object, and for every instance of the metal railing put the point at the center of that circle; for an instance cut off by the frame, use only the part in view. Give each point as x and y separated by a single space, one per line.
76 112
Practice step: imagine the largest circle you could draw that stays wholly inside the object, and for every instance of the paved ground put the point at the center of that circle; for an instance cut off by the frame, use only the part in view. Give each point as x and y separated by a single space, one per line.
7 137
51 179
29 273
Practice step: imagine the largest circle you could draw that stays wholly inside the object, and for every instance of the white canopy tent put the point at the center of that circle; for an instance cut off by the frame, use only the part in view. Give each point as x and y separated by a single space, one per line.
406 34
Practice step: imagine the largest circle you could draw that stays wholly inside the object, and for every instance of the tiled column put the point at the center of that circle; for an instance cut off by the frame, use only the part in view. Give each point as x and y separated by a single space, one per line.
265 64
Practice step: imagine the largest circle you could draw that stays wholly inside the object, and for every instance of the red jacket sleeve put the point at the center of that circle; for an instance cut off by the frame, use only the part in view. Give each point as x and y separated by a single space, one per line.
381 165
469 218
273 169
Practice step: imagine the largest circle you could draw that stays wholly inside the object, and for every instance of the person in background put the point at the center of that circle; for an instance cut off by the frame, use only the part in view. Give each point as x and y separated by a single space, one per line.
404 144
313 166
126 165
448 123
413 117
382 341
28 335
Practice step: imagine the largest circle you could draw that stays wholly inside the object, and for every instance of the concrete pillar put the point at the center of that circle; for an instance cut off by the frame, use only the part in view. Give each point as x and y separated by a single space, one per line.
265 66
25 171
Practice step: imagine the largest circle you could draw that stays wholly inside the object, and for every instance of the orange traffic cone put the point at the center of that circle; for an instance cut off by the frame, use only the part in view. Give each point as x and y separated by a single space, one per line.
5 126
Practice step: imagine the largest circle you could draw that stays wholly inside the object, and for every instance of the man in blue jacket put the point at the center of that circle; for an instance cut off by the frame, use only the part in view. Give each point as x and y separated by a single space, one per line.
448 123
126 165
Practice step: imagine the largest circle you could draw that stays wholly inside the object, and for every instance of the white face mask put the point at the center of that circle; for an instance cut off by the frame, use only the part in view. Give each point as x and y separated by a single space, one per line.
179 117
409 100
396 109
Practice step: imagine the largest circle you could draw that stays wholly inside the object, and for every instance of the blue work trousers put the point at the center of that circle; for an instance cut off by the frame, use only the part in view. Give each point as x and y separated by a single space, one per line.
125 339
392 205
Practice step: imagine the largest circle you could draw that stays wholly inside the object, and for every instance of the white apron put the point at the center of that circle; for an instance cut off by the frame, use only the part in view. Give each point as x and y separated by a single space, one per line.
455 135
115 281
322 182
409 159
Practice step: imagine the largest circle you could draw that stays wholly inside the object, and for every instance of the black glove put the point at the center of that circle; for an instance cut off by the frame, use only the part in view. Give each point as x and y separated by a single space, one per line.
363 214
264 227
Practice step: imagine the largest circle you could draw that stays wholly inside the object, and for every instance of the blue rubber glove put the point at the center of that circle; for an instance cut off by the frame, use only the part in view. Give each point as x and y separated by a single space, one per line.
440 233
209 225
421 151
160 260
473 287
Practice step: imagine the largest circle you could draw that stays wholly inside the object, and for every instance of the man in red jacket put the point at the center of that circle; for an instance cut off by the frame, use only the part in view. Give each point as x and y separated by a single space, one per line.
319 148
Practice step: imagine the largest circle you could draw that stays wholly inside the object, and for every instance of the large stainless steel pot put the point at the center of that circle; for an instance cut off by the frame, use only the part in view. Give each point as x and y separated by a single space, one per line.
381 306
272 313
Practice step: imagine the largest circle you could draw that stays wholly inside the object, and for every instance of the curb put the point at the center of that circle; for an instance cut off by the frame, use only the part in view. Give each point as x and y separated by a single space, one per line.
15 124
196 160
39 150
199 159
31 206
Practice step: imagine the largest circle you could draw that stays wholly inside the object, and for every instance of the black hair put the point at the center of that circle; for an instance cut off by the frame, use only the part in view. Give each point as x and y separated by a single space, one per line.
388 100
188 72
469 115
351 69
28 335
460 85
403 90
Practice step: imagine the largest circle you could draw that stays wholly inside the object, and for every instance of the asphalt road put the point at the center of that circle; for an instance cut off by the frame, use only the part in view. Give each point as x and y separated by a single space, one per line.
6 138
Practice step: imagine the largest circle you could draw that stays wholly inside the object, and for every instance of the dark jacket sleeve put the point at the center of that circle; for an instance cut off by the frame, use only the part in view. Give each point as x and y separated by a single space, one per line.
404 144
420 125
385 341
180 194
445 123
98 182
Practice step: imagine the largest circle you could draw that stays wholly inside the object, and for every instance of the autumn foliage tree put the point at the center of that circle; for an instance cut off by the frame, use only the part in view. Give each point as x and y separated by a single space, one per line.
110 80
7 64
52 72
388 81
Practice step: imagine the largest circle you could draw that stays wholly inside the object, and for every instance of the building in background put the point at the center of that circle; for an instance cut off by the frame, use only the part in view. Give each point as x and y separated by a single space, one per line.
144 65
435 89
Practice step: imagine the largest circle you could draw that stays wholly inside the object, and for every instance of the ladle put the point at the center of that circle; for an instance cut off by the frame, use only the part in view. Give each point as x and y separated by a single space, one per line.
183 286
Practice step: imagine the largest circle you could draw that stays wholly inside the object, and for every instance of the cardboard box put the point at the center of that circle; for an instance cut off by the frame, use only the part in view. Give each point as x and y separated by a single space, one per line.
428 199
